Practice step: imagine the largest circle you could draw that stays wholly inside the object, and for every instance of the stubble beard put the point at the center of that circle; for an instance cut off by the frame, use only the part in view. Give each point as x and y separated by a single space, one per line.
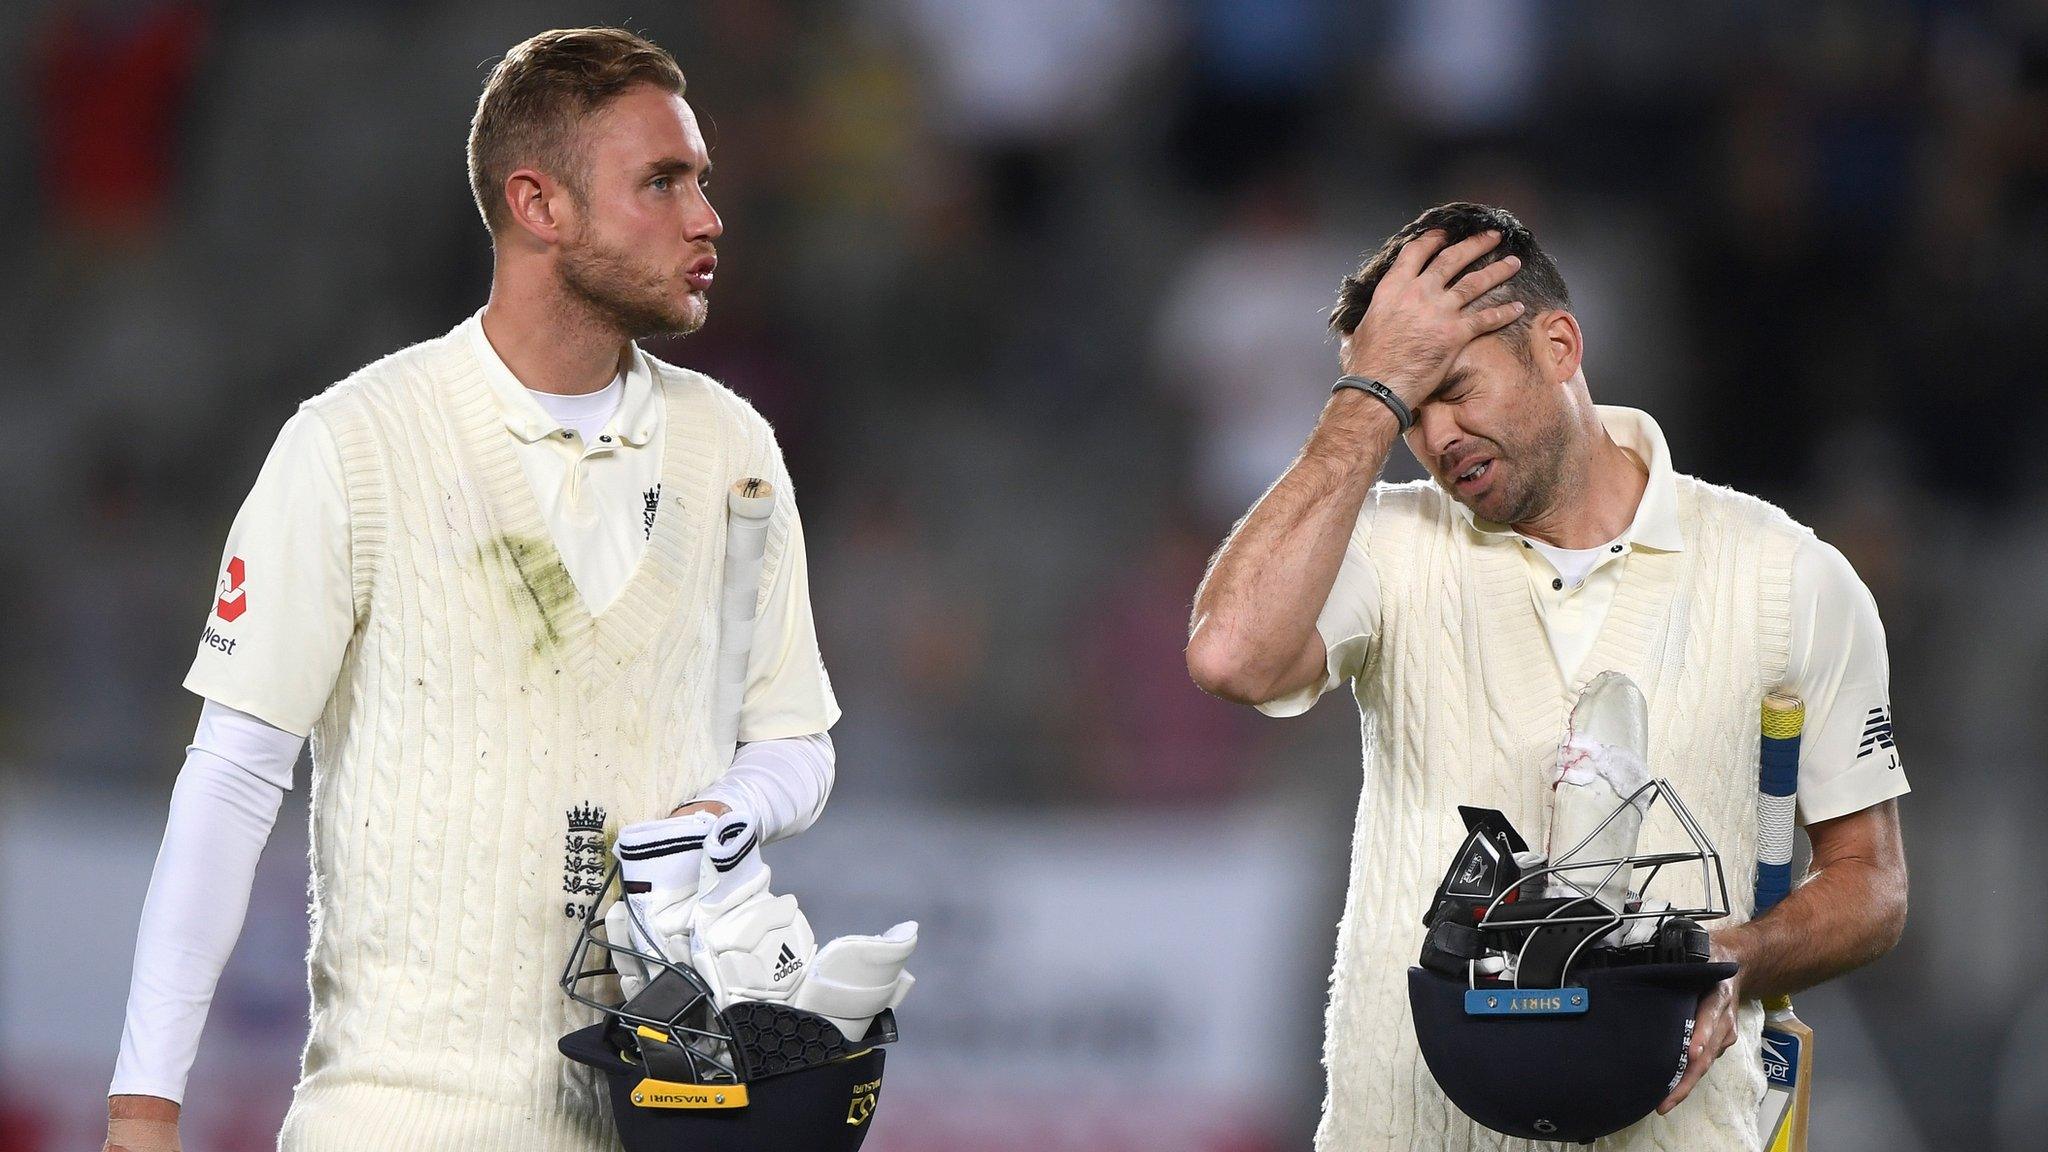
626 295
1537 477
1536 473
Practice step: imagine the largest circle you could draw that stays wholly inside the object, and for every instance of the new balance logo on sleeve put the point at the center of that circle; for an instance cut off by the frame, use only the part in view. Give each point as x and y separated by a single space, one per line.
1877 732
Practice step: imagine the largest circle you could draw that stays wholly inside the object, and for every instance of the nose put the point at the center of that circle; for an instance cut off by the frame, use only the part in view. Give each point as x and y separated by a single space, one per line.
1436 431
704 223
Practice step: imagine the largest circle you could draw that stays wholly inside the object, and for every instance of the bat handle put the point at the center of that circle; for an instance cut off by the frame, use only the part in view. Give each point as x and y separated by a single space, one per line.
749 504
1777 798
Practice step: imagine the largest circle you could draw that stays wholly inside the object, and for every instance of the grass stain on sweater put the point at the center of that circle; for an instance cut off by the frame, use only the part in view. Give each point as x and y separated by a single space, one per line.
536 584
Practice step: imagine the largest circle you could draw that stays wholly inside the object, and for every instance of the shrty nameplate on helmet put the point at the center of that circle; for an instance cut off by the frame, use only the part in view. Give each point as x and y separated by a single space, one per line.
1525 1001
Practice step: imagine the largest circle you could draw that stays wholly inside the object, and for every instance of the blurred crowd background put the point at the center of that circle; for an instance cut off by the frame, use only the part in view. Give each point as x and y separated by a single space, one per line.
1033 294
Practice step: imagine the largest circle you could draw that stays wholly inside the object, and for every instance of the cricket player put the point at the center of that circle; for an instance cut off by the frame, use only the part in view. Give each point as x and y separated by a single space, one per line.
1554 540
481 575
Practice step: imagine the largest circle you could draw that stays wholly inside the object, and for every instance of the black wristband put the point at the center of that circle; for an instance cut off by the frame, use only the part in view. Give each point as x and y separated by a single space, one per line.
1370 387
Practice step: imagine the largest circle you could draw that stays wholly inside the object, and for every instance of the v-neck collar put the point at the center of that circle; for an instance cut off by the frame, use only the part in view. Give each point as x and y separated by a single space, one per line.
1633 638
600 644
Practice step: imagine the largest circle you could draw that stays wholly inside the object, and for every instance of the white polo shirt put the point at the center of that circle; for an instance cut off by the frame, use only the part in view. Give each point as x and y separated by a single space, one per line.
284 609
1837 664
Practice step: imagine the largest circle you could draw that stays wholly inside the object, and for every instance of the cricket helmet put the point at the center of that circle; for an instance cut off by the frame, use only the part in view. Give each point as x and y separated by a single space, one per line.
1542 1011
681 1073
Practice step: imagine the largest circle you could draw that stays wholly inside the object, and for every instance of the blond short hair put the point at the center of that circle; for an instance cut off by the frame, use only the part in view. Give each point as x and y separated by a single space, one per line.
538 96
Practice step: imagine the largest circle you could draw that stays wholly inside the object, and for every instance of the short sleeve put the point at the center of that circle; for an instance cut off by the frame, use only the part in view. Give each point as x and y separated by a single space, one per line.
1838 667
788 693
283 607
1348 622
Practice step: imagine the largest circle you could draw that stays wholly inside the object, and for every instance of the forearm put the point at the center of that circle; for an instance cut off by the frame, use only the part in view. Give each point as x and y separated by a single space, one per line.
1844 916
1256 608
783 784
220 817
143 1108
223 807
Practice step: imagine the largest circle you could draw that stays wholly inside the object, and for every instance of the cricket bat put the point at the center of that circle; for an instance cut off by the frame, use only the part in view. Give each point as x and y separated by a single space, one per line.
1787 1107
747 508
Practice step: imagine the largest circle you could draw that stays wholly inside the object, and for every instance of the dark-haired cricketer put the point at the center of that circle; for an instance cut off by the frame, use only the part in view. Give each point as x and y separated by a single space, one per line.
1553 540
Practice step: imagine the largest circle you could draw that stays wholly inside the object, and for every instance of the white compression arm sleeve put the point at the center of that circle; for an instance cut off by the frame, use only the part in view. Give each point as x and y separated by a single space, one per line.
222 810
782 784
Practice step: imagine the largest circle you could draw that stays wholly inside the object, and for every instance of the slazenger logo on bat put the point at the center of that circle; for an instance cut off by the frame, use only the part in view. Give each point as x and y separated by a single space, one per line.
1780 1053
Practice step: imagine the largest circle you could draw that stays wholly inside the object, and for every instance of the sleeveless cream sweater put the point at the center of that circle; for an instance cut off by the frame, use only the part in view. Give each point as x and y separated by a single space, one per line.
1462 703
482 733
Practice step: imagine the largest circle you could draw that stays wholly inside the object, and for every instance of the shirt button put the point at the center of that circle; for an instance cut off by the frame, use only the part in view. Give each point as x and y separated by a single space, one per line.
566 434
1616 548
1557 585
608 440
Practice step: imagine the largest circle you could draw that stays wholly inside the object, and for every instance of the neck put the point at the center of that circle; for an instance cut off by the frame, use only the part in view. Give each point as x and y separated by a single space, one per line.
550 340
1597 500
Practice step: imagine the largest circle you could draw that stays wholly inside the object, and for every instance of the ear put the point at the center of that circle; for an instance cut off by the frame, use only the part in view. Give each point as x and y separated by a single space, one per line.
539 205
1556 344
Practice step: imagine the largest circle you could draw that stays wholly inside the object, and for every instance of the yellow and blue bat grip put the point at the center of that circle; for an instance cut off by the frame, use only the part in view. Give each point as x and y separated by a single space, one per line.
1777 787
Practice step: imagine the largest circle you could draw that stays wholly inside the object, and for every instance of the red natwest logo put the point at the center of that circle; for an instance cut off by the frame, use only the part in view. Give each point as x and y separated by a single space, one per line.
232 602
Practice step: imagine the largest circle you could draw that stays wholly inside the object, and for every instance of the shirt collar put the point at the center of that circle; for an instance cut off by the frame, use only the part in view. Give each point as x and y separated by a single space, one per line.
638 413
1656 520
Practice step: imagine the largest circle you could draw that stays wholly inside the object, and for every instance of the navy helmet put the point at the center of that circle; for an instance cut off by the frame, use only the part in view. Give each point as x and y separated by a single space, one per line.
756 1076
1541 1011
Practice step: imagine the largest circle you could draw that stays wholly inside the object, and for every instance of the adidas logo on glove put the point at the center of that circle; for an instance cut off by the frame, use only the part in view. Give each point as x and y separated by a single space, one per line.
696 892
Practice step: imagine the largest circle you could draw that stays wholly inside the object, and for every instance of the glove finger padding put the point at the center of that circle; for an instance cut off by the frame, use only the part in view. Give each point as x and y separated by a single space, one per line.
749 944
659 869
755 949
618 931
746 942
854 977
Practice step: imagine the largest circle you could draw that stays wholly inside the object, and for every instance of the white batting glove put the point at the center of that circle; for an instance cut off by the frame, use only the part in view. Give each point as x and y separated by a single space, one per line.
659 867
750 944
854 977
746 942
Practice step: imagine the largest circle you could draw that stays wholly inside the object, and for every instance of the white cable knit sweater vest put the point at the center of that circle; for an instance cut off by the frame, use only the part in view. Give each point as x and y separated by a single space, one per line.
1462 703
482 730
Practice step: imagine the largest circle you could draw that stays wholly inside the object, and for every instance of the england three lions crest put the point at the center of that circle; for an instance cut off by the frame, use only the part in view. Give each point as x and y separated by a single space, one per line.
583 860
